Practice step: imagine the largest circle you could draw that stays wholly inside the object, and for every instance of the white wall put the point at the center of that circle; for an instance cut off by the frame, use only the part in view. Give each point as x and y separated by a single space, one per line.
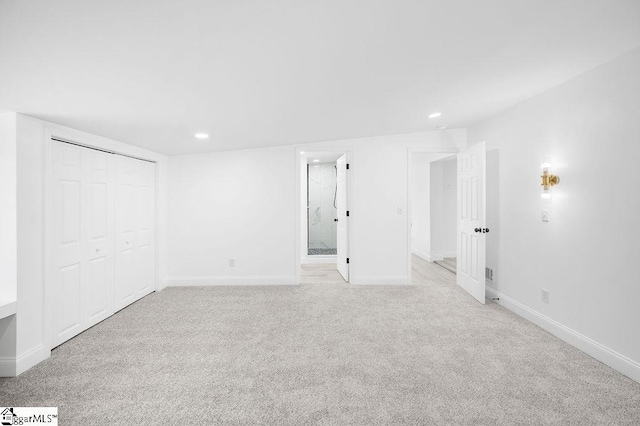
245 205
443 197
8 234
590 128
8 211
232 205
32 143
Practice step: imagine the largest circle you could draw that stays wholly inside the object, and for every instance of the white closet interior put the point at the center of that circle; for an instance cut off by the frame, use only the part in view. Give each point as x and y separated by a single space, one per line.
103 236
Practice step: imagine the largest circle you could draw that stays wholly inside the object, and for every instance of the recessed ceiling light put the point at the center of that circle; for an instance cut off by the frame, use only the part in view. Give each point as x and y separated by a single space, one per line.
201 136
435 114
316 161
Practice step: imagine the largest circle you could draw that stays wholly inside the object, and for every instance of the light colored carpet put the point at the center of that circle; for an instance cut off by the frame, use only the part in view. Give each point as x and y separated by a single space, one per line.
323 353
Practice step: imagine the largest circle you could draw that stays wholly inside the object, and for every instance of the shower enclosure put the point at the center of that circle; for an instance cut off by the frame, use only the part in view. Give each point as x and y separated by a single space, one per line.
321 209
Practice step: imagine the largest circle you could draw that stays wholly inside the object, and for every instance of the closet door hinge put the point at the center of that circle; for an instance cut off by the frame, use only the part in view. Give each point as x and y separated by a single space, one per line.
347 166
347 213
347 260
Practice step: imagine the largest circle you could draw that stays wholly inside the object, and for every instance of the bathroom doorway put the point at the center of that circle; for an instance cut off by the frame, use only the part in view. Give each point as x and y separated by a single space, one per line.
321 208
324 178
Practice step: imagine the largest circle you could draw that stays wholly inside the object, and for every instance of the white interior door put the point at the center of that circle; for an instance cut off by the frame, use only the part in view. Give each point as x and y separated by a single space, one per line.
471 220
82 236
98 227
342 233
145 228
125 212
66 255
135 230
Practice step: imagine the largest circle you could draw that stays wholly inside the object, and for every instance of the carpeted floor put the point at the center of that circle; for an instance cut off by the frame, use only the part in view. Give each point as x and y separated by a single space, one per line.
323 353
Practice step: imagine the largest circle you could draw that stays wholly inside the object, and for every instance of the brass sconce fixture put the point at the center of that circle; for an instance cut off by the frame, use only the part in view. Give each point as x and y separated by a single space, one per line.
549 180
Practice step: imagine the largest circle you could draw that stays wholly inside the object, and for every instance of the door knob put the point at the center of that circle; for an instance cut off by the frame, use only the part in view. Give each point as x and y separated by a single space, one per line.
478 229
483 230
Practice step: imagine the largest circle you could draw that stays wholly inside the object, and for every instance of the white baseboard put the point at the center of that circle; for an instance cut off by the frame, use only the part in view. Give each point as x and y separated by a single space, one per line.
162 284
618 362
31 358
422 255
380 280
442 256
7 367
12 367
234 281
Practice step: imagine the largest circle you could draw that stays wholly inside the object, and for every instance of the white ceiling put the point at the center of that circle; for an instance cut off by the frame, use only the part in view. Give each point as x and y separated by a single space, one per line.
259 73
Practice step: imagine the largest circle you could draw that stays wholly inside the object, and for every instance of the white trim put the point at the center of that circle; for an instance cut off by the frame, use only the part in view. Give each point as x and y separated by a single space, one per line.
7 308
163 283
381 280
618 362
254 280
7 367
422 255
31 358
12 367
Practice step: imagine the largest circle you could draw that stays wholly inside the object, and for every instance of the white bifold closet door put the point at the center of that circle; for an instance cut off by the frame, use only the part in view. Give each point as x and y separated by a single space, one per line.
135 230
82 238
89 206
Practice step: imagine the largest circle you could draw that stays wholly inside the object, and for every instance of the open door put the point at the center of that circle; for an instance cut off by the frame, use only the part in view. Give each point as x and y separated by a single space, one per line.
471 220
342 252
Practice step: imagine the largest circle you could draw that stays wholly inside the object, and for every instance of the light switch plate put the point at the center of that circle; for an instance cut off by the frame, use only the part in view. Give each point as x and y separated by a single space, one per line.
545 215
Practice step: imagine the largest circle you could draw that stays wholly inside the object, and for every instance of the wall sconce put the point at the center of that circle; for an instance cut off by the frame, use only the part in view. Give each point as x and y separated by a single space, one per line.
548 181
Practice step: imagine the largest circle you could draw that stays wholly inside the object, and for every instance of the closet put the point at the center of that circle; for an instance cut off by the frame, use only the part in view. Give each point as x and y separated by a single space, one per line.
102 238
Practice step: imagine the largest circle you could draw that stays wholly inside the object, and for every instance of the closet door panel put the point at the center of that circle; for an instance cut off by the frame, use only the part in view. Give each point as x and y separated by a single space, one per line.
66 255
98 227
145 228
125 210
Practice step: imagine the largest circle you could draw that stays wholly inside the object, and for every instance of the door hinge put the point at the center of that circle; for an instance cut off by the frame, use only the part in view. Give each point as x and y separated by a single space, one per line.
347 213
347 260
347 166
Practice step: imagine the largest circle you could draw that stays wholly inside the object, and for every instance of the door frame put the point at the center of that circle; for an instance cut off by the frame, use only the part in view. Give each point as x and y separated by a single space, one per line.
410 152
92 142
300 173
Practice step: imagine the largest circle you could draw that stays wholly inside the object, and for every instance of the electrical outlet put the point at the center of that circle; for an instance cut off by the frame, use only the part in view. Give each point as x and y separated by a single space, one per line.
545 295
232 263
545 215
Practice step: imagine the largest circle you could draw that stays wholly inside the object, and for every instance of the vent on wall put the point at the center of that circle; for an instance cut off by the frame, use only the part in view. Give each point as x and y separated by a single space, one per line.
488 274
